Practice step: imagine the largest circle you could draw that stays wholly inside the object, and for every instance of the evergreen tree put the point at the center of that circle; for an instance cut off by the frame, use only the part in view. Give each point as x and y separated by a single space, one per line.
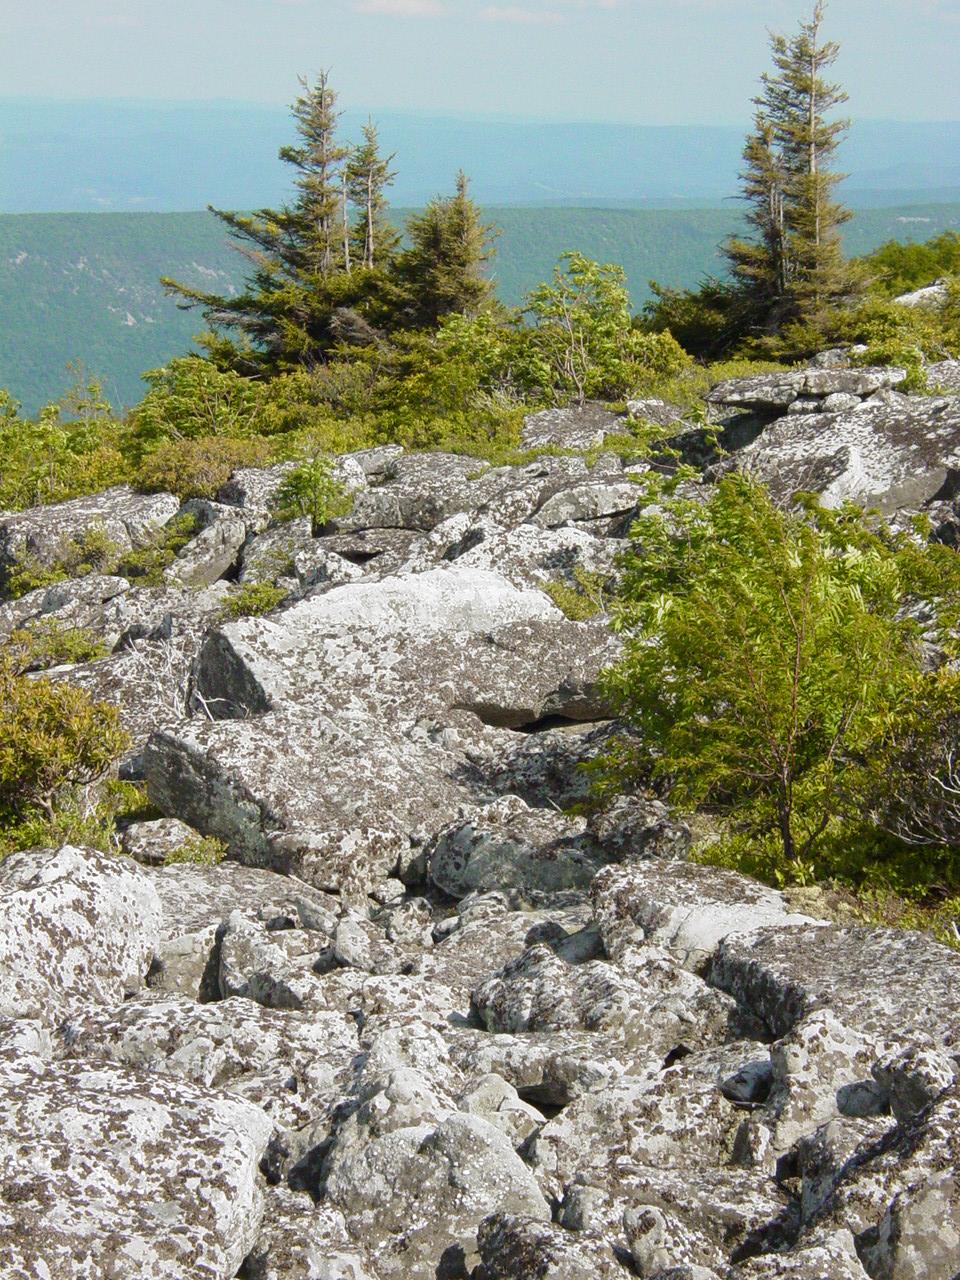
301 297
368 176
442 273
760 267
794 270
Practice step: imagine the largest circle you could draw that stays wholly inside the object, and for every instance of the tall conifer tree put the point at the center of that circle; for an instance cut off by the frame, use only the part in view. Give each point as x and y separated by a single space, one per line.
794 270
301 296
368 176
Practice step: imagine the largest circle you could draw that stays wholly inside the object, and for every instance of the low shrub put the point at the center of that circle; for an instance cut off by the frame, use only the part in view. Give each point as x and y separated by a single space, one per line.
310 489
54 740
201 851
196 468
252 600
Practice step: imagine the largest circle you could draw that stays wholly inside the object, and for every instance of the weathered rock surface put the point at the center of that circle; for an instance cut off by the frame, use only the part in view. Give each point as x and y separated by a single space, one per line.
776 392
78 927
125 518
107 1172
895 453
423 1021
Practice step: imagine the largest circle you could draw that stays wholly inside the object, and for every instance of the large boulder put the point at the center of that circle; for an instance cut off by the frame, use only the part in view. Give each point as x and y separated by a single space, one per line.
125 519
775 392
585 427
77 927
686 908
509 845
887 984
294 1068
106 1171
895 453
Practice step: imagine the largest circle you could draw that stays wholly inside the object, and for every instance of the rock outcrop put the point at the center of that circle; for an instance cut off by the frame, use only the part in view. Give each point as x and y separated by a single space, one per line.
425 1021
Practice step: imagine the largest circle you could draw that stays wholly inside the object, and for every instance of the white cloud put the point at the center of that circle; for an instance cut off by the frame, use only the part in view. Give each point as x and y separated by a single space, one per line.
514 14
402 8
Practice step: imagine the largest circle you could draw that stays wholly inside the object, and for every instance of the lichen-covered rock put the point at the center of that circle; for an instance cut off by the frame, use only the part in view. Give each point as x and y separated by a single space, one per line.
833 1257
529 556
209 555
514 1248
148 683
896 453
593 501
777 391
571 428
684 907
508 845
652 1006
301 1240
152 843
126 519
106 1171
885 984
422 1188
198 901
78 603
900 1195
294 1068
77 927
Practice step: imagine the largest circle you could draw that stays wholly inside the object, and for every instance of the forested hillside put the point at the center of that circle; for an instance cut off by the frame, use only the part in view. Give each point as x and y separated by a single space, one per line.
85 287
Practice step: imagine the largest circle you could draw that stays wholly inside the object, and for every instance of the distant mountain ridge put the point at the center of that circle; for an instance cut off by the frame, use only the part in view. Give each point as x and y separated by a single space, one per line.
86 286
99 156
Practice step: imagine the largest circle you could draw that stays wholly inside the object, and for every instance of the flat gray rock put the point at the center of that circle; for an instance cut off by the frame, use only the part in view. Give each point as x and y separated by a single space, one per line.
77 927
107 1171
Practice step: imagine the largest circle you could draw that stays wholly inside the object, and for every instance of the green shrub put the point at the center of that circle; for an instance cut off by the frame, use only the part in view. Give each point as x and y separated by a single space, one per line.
202 851
584 599
582 343
897 268
144 566
191 399
47 642
82 817
310 489
53 740
767 663
252 600
197 468
70 448
93 551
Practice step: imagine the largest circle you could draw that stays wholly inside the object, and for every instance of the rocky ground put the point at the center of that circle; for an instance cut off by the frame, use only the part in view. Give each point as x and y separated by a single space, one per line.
422 1023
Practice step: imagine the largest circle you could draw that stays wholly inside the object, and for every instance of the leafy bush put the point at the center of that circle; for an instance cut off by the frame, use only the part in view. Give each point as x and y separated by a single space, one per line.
53 740
144 566
92 551
197 468
191 399
310 489
71 448
47 642
767 661
252 600
897 268
582 343
202 851
586 598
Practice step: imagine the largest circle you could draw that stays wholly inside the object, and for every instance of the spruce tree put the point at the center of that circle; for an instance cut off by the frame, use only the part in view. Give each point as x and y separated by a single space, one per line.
368 176
301 297
794 269
760 266
442 273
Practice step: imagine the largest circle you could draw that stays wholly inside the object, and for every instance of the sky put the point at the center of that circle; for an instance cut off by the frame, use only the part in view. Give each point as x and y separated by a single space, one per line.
636 61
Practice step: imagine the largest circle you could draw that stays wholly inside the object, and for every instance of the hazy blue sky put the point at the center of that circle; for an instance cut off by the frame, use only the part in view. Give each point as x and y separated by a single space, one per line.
645 61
